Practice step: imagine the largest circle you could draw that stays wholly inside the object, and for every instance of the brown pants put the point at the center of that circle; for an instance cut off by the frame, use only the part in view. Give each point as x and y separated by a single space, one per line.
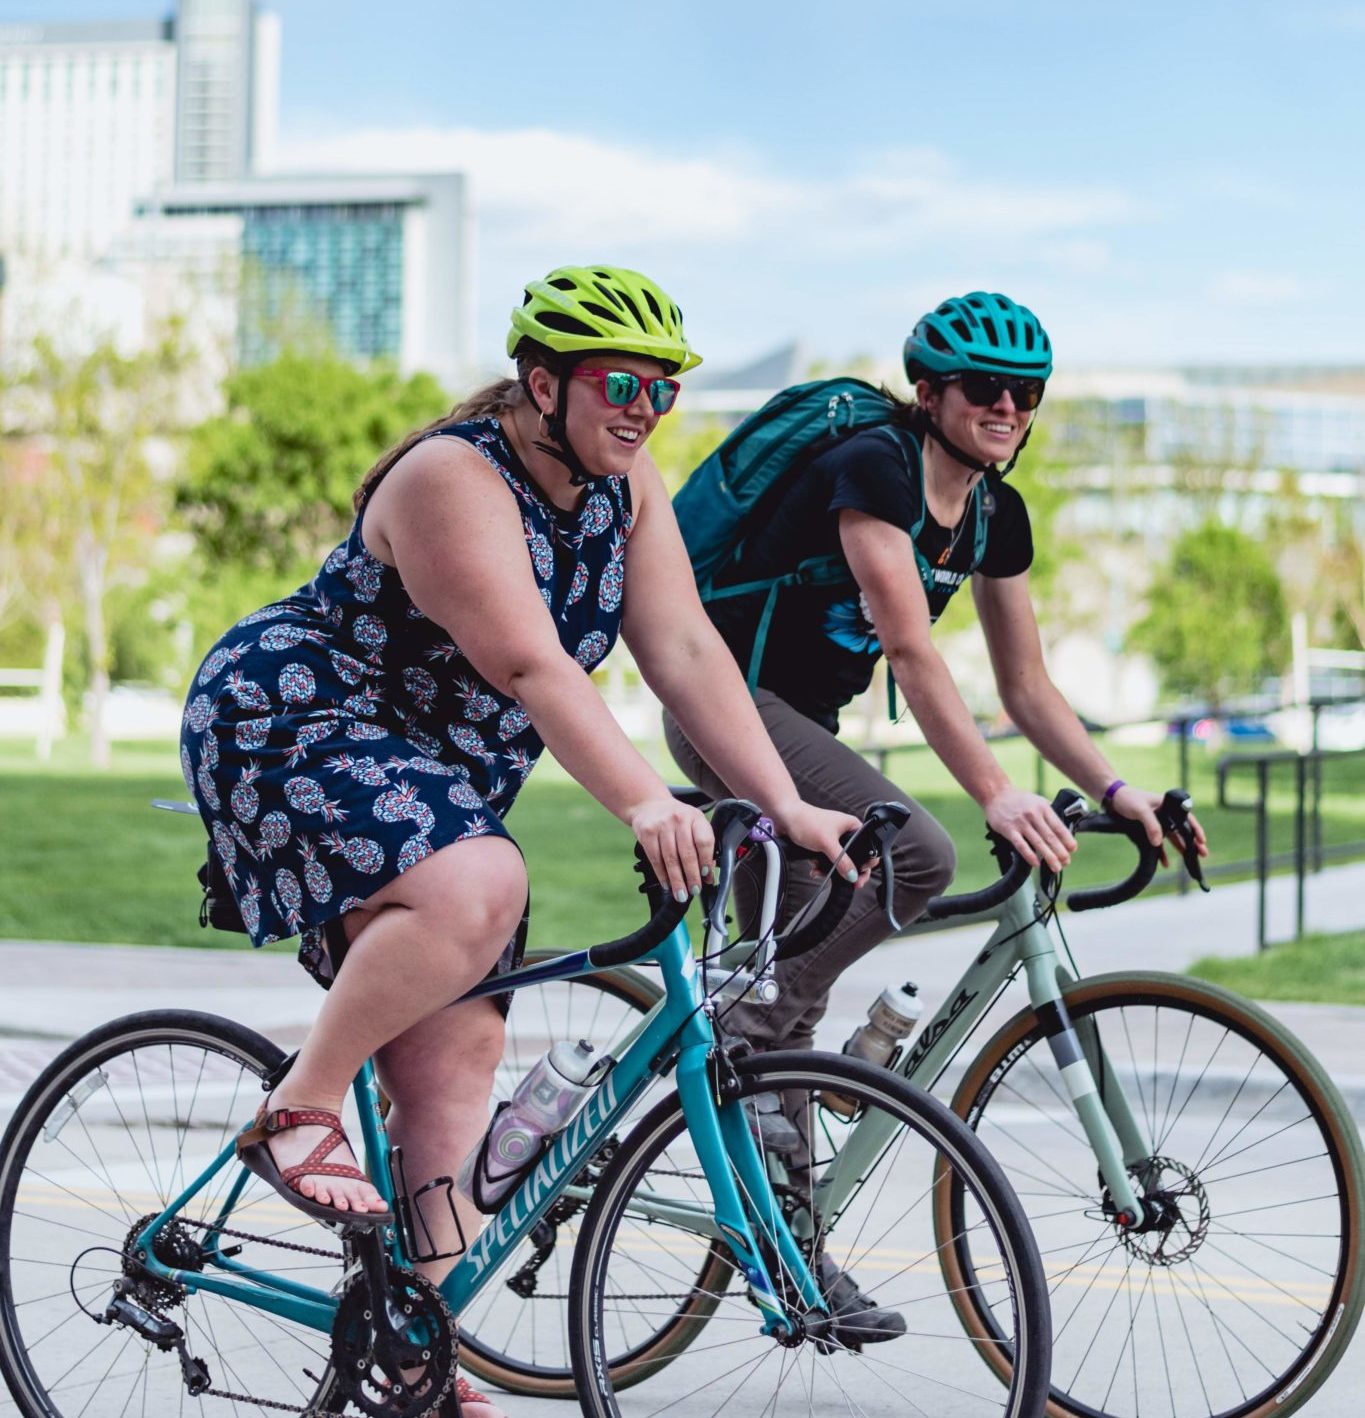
827 774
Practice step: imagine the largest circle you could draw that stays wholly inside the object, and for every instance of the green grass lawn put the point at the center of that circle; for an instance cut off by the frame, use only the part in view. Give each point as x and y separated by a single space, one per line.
1326 969
83 856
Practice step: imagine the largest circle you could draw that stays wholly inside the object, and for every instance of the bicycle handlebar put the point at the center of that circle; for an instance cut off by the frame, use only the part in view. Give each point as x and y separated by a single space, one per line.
872 839
1014 870
629 948
1173 814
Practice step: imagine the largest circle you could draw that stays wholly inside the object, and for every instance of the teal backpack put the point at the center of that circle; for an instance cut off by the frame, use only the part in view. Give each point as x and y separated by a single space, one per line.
769 450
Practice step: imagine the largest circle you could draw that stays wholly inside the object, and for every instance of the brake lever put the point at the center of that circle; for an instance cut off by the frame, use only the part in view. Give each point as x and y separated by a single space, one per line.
1173 815
886 821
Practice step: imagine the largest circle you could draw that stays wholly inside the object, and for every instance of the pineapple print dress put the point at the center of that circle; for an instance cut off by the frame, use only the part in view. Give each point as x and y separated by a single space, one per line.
336 738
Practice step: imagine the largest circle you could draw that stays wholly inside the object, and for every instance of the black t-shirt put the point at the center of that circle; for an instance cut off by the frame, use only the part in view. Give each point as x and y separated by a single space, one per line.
821 647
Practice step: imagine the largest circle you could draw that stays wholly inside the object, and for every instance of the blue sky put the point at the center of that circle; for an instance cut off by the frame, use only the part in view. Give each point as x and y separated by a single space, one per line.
1164 184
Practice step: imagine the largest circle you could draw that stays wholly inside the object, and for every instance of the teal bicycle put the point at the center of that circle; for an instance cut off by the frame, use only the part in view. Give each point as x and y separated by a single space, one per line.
144 1271
1192 1175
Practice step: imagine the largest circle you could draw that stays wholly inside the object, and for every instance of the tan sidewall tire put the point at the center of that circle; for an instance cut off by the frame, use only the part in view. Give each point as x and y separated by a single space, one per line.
1277 1043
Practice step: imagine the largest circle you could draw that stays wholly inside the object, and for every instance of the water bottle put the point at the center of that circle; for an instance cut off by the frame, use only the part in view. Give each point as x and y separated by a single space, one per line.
541 1104
890 1019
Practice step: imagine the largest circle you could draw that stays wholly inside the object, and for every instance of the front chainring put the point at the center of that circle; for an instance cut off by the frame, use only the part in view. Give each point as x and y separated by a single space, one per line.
378 1379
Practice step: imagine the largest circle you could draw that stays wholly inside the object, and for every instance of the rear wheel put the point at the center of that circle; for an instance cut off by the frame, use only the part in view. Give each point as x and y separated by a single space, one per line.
1243 1296
112 1131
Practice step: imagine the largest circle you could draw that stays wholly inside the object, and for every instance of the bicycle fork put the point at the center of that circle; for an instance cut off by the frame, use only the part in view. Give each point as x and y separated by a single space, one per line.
1103 1109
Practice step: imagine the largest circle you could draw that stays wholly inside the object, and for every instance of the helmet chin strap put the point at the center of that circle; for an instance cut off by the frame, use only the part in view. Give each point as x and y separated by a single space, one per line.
561 450
966 459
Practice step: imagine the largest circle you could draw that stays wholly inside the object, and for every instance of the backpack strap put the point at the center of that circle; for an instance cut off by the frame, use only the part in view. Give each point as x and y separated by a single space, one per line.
980 513
814 571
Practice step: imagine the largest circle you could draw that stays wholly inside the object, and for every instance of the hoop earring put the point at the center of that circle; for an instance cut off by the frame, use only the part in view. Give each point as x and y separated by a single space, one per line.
542 423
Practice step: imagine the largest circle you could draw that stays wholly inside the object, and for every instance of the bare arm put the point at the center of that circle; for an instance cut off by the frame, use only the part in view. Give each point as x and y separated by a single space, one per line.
882 560
1036 704
686 663
1027 692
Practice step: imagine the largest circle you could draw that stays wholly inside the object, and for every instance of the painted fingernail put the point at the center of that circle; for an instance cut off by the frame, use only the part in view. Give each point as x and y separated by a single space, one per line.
851 874
680 896
696 891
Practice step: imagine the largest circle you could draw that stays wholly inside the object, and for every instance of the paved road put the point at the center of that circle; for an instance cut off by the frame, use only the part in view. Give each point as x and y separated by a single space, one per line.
53 992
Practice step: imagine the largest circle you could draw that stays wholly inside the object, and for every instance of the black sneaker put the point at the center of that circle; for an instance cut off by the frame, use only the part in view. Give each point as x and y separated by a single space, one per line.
771 1127
857 1317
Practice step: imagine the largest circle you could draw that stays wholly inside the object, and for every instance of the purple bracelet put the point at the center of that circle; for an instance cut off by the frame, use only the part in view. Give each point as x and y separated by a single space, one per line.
1107 801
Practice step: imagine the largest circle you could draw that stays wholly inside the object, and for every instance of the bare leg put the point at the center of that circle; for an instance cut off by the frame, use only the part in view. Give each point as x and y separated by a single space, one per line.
439 1075
434 933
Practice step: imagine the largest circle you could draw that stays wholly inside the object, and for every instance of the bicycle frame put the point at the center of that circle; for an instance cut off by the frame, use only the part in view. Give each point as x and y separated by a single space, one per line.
677 1034
1019 939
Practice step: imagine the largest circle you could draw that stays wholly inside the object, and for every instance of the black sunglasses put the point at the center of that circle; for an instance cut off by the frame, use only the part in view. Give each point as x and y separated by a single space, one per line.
983 390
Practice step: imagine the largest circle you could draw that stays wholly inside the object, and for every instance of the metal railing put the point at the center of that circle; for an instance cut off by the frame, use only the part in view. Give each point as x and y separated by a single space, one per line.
1309 852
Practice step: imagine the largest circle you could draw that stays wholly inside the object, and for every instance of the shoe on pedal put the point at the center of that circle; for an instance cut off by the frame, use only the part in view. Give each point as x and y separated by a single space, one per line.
858 1319
771 1127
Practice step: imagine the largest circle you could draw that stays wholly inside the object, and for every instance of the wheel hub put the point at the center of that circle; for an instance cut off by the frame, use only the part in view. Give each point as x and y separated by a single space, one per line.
1175 1207
174 1246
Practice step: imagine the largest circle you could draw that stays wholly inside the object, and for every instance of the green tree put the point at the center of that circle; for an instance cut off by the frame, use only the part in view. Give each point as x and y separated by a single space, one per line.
106 425
1216 621
268 483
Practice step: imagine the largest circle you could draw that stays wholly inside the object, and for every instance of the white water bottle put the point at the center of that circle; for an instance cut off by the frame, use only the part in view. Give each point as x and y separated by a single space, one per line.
541 1104
890 1019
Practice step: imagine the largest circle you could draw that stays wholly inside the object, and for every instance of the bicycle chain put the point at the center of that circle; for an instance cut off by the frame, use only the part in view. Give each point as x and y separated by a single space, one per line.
228 1394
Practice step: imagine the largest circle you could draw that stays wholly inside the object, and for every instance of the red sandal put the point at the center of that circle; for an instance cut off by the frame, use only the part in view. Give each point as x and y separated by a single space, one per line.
253 1152
463 1392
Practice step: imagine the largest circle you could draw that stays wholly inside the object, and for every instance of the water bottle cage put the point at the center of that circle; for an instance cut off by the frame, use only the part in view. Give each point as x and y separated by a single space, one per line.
409 1213
509 1181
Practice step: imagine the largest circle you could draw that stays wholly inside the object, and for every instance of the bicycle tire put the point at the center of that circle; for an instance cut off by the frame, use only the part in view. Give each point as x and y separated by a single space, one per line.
80 1165
496 1345
1250 1070
598 1331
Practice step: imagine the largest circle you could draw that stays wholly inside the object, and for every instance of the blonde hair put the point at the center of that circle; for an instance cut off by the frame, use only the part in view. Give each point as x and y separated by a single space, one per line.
491 401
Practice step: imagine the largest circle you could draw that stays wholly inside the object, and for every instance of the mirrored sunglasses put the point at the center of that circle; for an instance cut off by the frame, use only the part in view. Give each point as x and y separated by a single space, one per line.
620 388
983 390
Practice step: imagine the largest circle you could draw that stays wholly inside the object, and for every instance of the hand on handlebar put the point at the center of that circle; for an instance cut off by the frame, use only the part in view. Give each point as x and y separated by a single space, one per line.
678 841
819 830
1144 808
1028 823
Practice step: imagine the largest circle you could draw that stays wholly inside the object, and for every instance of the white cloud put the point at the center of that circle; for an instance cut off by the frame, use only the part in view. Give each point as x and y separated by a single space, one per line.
536 185
1257 288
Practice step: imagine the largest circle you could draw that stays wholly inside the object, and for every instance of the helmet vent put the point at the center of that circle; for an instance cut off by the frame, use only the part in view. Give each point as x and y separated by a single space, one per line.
654 307
565 324
933 337
609 293
601 311
988 325
634 310
964 331
561 283
1028 337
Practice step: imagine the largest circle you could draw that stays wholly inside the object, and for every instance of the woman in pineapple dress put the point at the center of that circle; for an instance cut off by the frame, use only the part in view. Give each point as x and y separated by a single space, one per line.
354 747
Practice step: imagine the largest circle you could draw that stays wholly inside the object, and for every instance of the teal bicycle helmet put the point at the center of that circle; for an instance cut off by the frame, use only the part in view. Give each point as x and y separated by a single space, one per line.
978 331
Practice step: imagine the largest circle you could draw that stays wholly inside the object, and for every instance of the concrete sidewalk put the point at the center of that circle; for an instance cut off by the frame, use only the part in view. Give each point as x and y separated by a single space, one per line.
54 991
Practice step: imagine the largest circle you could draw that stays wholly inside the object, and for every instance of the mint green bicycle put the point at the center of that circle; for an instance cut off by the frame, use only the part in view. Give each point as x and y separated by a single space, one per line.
1193 1177
144 1271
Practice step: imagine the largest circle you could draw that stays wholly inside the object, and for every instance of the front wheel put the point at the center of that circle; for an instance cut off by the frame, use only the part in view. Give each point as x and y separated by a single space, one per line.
1242 1293
648 1233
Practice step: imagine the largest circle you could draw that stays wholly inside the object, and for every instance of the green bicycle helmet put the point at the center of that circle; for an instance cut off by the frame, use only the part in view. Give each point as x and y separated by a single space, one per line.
982 331
578 310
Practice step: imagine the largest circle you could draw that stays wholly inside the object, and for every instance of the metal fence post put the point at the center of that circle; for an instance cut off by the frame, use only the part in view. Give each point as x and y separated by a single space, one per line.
1300 843
1262 848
